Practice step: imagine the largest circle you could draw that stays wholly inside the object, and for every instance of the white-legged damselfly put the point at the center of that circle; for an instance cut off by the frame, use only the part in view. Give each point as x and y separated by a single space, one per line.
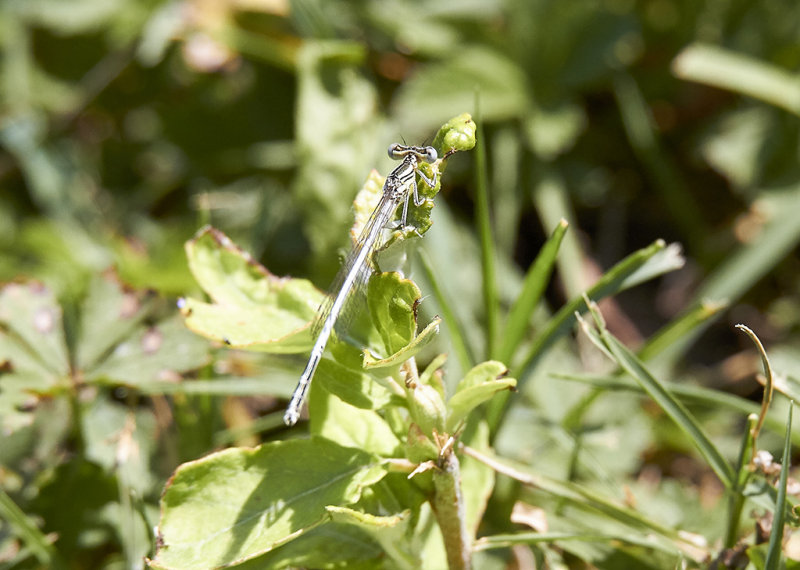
400 185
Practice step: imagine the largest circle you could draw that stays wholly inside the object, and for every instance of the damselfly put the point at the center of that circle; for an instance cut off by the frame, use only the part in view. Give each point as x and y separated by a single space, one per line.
400 185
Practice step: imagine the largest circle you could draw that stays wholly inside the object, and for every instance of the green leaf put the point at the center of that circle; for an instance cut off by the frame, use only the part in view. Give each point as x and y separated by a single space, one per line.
329 546
239 503
110 313
159 352
415 346
646 263
336 125
649 262
480 373
392 302
32 352
388 531
122 441
267 329
662 396
438 88
252 308
351 385
551 131
31 322
336 420
591 501
477 387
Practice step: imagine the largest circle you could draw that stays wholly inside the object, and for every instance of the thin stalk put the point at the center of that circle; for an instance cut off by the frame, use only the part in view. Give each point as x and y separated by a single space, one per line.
484 224
774 550
736 497
448 506
460 346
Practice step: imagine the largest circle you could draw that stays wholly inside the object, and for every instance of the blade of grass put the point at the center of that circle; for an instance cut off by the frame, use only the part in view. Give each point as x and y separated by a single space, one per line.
687 393
662 396
484 224
769 380
678 328
776 536
736 497
534 285
589 499
27 531
644 264
654 345
735 72
640 266
509 540
460 346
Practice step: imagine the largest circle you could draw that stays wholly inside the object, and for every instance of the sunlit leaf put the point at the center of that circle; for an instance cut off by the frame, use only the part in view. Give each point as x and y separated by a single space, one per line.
480 384
239 503
391 532
392 304
252 306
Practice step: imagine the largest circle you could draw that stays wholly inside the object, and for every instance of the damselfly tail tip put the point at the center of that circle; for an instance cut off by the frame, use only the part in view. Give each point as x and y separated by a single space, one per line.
290 417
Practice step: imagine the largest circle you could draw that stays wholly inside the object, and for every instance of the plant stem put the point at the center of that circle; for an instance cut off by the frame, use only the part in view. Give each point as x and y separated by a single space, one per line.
483 221
448 505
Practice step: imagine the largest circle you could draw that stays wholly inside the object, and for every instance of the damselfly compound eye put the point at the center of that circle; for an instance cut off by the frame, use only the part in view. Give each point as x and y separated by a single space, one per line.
430 155
395 151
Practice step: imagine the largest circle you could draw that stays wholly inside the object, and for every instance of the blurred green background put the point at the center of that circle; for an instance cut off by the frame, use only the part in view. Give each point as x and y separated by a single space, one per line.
126 125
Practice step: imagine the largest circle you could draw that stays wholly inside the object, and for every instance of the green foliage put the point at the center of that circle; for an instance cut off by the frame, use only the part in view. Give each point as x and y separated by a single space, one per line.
187 529
216 510
460 419
120 340
251 306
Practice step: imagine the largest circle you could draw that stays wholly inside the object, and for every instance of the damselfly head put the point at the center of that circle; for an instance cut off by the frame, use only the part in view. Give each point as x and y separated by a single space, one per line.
426 153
